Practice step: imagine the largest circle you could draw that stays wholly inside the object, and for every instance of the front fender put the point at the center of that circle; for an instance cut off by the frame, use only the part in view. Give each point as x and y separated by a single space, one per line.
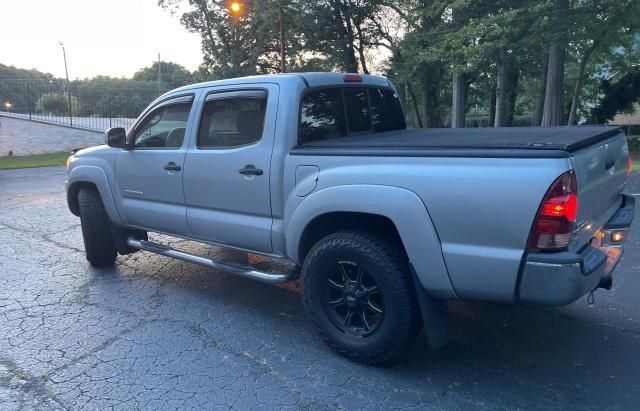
84 174
403 207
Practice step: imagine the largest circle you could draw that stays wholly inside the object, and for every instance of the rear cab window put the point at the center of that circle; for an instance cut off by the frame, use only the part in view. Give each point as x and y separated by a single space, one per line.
335 112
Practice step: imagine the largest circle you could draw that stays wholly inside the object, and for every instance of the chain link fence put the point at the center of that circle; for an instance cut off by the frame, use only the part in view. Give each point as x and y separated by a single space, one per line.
94 104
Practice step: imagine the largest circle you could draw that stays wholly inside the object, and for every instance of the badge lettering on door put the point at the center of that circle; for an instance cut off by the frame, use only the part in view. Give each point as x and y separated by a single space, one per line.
134 193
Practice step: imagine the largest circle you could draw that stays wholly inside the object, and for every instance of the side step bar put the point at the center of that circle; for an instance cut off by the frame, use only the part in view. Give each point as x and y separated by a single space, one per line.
231 268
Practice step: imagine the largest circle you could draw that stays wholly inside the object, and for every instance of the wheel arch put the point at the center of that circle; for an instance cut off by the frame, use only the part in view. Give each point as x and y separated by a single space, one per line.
91 177
395 211
334 221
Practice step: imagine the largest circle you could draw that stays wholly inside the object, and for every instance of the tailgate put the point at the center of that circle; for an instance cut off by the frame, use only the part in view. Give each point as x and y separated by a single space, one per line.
601 170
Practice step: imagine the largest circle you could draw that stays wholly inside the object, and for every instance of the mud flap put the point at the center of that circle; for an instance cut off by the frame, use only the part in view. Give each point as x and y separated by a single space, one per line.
435 315
120 236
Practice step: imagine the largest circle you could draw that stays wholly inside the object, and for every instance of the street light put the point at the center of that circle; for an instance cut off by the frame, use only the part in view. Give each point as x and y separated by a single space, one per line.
235 8
8 106
66 72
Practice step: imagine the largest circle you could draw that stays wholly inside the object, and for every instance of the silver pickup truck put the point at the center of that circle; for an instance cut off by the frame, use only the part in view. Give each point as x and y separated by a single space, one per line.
384 224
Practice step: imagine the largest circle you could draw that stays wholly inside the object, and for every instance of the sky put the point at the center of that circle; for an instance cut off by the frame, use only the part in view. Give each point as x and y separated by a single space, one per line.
108 37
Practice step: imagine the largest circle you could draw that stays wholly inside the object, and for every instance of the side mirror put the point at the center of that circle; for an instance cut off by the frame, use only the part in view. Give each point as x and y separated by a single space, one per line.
116 137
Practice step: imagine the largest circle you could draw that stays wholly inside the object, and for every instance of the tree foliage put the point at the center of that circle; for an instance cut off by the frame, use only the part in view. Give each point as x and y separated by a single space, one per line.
502 62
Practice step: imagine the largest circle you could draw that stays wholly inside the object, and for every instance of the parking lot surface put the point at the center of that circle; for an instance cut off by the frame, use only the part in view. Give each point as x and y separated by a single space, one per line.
156 333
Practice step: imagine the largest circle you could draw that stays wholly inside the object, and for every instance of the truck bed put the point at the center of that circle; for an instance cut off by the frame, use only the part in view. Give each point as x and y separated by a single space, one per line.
501 141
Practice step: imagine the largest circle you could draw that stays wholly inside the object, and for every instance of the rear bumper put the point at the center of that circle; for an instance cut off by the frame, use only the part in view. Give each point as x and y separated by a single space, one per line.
563 277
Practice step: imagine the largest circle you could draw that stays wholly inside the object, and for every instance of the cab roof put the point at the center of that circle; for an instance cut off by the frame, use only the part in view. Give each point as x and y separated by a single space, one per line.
311 79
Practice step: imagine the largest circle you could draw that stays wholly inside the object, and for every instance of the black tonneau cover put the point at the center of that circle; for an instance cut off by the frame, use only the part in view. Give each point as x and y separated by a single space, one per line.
516 140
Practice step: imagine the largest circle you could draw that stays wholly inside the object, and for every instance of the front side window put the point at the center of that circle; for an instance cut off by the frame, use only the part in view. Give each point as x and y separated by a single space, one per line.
232 122
332 113
164 127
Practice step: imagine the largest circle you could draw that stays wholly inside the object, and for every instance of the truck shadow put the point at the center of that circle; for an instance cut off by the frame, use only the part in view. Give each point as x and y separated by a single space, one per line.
533 353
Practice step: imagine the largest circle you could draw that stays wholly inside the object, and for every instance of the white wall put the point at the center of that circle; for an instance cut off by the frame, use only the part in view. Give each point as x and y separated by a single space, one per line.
25 137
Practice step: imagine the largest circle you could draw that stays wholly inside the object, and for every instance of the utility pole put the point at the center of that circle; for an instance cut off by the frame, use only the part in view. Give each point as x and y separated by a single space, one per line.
68 88
282 45
159 75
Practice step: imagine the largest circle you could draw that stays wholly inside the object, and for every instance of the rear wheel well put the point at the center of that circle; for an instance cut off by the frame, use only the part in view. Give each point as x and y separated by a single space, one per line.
329 223
72 195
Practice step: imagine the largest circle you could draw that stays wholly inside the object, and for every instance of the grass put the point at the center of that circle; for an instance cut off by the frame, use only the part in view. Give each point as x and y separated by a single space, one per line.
38 160
635 162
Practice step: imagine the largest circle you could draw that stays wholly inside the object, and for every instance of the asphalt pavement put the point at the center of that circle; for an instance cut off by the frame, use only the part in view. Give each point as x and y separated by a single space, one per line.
156 333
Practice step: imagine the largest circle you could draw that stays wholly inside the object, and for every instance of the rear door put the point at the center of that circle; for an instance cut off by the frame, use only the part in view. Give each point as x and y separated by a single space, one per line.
227 167
601 170
149 192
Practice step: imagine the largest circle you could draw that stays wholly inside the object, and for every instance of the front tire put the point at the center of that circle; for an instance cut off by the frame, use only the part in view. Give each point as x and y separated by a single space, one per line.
359 293
99 247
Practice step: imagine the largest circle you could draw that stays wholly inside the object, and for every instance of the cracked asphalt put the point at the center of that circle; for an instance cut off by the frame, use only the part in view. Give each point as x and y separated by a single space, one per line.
156 333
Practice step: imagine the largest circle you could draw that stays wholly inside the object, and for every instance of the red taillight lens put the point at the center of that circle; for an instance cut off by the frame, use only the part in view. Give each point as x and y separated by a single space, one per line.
628 166
554 224
562 206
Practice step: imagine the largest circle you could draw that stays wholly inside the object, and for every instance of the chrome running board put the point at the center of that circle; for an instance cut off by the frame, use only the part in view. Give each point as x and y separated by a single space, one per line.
231 268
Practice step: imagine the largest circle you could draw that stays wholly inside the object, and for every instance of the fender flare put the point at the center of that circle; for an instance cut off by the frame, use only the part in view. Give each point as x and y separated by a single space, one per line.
93 175
403 207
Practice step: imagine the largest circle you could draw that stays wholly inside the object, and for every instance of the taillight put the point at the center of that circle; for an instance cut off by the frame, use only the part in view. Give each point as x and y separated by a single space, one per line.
554 224
628 166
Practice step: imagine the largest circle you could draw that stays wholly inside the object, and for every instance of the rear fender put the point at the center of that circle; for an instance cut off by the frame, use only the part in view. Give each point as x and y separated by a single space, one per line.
403 207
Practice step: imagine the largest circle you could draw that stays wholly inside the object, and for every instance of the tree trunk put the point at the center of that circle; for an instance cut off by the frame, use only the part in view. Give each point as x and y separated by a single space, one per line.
345 37
577 87
458 106
363 60
432 75
554 90
514 76
502 90
415 104
537 116
349 48
492 105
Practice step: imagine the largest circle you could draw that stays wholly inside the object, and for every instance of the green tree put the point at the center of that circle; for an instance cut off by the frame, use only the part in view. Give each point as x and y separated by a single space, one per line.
232 46
618 97
169 75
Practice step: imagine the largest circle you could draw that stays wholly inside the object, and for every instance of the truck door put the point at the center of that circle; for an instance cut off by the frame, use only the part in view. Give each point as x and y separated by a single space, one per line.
148 176
227 167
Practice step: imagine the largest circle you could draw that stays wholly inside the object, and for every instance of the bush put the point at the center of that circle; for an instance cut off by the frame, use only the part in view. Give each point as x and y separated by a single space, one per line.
57 104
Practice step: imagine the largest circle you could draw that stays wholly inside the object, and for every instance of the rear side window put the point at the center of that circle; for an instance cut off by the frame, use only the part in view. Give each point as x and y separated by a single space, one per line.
337 112
232 122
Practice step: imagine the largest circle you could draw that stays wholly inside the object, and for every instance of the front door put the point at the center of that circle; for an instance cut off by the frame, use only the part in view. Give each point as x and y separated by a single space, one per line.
149 190
226 178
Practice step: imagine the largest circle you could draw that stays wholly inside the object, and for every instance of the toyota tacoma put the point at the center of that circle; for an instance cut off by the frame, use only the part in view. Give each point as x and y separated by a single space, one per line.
384 224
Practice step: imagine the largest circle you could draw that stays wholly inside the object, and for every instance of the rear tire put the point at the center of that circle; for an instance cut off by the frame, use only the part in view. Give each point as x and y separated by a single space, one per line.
99 247
359 293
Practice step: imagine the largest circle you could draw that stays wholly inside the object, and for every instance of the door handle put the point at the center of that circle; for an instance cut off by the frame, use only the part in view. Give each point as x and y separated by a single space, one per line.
609 163
171 166
250 169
